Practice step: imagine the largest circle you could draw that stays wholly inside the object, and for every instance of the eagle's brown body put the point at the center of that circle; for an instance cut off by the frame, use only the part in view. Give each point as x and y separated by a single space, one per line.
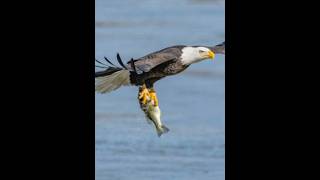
152 67
159 72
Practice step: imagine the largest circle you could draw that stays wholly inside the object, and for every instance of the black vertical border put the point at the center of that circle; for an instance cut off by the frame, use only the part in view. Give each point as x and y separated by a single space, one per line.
52 89
232 90
249 85
74 77
86 25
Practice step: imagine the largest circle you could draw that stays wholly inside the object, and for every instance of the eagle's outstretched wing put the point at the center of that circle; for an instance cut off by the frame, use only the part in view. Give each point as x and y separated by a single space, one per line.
152 60
145 63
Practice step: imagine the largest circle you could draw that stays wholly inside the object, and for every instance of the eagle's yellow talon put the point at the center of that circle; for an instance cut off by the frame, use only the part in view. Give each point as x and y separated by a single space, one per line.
153 96
144 94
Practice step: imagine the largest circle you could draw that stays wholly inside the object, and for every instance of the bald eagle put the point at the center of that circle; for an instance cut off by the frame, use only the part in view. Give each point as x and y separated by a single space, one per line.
145 71
153 67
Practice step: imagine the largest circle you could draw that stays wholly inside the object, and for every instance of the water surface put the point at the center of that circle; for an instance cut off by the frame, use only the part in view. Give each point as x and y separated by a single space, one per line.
127 147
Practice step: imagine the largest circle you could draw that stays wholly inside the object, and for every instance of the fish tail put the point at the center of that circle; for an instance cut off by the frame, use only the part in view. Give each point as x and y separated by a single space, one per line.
165 129
162 130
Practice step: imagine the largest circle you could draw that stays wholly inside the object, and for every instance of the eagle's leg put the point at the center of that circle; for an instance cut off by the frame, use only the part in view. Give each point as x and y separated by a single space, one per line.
144 94
153 97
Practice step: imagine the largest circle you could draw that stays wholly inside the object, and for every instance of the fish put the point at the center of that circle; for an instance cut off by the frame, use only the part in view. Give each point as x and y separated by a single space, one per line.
153 114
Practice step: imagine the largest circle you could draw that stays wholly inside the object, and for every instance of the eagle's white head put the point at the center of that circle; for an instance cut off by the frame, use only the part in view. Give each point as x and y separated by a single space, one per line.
195 54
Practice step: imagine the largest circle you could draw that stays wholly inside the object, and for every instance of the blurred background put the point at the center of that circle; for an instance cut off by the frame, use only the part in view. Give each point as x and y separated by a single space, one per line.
192 102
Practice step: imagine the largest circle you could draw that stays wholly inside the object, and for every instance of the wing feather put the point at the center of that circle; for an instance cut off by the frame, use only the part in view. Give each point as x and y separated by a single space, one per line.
152 60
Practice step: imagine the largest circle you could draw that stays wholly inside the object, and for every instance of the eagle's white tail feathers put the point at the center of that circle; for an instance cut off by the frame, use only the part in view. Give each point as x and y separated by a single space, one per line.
112 82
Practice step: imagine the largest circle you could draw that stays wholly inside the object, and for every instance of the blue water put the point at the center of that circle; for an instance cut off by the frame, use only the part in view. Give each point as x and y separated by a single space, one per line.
192 103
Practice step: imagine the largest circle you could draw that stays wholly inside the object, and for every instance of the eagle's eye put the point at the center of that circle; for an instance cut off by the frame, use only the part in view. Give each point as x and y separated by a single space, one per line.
201 51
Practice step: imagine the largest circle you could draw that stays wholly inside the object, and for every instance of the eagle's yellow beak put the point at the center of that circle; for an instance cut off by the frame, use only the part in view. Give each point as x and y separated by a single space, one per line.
211 54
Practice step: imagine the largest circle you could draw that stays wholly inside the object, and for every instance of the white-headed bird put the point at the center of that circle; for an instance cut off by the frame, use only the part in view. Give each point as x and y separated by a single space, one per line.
145 71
